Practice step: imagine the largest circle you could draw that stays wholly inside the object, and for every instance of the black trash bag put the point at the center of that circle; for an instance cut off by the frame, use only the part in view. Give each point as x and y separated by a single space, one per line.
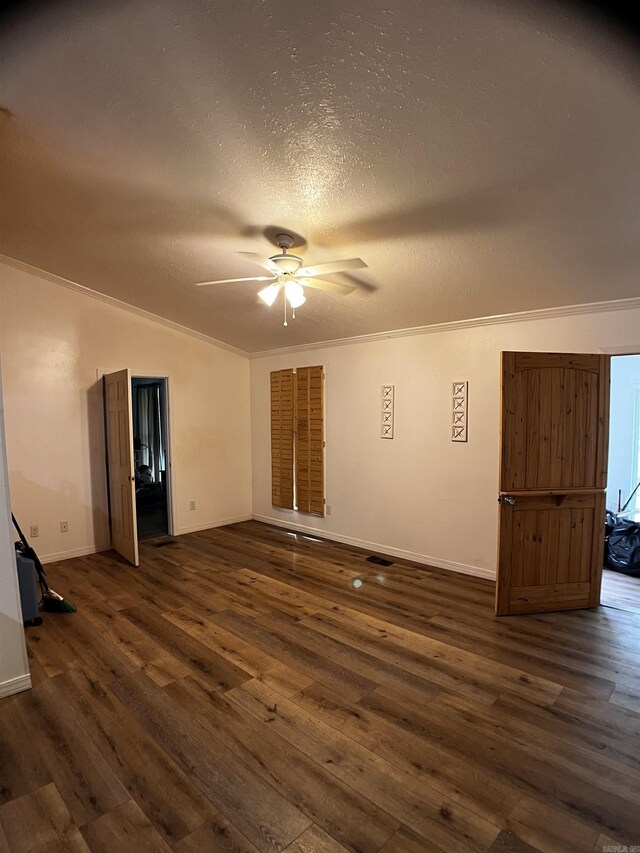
622 549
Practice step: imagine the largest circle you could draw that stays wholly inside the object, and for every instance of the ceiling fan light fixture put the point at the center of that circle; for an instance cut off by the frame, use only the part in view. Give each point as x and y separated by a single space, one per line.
295 294
269 294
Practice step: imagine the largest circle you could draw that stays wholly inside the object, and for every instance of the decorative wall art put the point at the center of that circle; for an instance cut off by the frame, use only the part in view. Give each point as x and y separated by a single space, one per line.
459 423
386 411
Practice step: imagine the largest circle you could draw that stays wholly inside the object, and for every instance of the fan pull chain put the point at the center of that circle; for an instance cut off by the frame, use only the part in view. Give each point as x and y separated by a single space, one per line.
285 311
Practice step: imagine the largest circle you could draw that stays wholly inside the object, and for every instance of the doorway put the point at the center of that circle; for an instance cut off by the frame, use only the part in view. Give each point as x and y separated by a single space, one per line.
137 433
624 436
150 455
621 583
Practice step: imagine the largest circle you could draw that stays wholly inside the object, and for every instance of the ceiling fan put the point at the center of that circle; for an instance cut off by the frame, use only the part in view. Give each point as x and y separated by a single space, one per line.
287 273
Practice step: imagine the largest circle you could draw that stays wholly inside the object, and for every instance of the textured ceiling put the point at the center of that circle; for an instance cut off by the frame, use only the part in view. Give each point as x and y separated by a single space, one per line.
481 158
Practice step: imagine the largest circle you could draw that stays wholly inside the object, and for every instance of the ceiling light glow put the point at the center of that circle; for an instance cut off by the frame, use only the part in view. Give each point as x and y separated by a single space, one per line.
295 294
269 294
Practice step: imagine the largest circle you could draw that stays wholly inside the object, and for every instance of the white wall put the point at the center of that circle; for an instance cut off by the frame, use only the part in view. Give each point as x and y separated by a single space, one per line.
623 453
419 494
14 669
54 340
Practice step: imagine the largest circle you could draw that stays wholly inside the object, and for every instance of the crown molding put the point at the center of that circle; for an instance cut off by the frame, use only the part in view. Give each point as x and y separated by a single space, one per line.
456 325
118 303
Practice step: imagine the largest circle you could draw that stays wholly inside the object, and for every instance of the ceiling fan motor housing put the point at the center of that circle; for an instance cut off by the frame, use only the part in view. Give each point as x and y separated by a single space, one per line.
285 241
286 263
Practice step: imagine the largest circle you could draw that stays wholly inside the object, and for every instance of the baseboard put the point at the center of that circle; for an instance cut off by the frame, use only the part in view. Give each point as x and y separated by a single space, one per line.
73 552
210 524
423 559
15 685
87 550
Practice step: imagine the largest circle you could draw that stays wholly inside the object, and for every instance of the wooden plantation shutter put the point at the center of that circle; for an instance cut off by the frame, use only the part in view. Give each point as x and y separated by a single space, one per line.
309 440
282 438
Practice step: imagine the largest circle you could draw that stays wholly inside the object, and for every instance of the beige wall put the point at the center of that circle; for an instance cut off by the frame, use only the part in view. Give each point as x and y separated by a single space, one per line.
54 341
14 671
419 495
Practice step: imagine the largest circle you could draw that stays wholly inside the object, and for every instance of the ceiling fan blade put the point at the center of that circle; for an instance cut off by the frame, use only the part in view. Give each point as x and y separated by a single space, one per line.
231 280
332 266
328 286
263 262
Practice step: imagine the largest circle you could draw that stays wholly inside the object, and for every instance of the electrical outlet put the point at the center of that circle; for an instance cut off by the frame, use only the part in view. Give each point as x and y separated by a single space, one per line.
64 527
329 509
192 505
34 531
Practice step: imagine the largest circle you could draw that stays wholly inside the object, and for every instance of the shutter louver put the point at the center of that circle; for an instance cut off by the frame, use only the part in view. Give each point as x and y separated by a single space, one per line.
282 438
309 440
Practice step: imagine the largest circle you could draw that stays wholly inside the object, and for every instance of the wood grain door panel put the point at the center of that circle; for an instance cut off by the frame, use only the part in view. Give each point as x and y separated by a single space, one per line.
555 414
548 551
122 495
554 430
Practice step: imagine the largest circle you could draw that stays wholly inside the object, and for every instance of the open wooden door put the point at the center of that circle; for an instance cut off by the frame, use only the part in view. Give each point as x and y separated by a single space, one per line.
555 420
122 486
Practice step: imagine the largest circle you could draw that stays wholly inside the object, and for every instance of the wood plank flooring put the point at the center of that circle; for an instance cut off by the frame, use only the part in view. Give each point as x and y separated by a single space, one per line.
248 689
621 591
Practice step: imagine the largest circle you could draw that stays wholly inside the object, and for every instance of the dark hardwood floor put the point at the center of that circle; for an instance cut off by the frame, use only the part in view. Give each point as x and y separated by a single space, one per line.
250 690
621 591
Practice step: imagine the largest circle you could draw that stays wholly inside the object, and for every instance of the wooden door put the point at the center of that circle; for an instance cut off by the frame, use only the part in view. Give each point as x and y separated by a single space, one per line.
122 486
555 419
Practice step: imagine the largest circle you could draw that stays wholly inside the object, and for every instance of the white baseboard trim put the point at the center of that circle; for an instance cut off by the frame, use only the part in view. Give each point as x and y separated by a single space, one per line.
423 559
210 524
73 552
15 685
436 562
96 549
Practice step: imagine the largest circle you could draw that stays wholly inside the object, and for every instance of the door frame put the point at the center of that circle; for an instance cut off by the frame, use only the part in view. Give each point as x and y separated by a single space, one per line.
167 450
168 377
620 352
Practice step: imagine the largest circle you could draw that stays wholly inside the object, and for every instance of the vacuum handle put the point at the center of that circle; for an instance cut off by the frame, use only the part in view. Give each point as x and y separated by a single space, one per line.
29 552
21 535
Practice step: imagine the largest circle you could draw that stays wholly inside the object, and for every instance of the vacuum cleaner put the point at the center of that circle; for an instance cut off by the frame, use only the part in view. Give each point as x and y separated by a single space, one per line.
51 601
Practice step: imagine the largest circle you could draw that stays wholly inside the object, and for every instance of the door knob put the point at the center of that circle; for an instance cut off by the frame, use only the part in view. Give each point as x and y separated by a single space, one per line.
506 499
